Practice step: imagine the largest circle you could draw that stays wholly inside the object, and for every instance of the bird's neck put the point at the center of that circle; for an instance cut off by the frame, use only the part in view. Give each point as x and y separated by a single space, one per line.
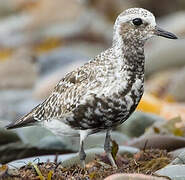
130 54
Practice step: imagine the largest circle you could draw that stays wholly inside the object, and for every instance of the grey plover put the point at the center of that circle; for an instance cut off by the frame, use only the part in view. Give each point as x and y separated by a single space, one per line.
104 92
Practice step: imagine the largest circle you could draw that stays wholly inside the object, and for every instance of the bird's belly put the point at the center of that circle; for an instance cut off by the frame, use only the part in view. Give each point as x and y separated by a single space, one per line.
60 128
104 111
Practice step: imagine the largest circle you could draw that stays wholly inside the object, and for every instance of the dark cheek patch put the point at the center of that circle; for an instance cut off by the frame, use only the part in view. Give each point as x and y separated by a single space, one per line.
125 28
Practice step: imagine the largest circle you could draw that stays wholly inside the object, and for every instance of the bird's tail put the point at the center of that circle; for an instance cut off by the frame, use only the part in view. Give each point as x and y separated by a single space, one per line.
27 120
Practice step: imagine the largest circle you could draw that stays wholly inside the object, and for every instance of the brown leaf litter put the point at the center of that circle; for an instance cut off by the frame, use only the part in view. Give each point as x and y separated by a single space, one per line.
145 162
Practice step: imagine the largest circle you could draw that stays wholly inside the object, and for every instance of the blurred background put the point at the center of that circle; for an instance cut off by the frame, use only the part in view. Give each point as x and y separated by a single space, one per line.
42 40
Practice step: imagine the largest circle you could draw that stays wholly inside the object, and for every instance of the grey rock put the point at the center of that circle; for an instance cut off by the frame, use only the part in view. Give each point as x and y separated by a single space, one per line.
14 71
67 159
8 137
176 87
59 58
179 156
47 82
168 143
44 158
51 142
175 172
97 140
32 135
91 154
41 137
14 151
137 123
15 103
134 176
167 54
164 128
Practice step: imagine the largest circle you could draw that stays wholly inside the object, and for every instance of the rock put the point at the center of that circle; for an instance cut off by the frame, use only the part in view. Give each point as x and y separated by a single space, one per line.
158 142
59 10
42 137
91 154
44 158
167 83
66 159
133 177
18 72
179 156
176 87
137 123
46 85
59 58
176 152
15 103
165 53
110 8
33 134
173 110
51 142
98 139
173 126
174 172
164 8
45 139
14 151
8 137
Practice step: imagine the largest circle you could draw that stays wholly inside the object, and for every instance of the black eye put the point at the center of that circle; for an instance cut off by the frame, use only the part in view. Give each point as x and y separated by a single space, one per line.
137 21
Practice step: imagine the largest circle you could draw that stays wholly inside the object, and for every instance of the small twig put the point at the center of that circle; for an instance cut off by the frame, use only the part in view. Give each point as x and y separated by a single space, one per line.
146 142
37 159
56 158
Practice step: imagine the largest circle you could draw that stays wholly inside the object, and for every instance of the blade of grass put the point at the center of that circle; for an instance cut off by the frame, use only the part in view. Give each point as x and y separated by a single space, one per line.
38 172
50 175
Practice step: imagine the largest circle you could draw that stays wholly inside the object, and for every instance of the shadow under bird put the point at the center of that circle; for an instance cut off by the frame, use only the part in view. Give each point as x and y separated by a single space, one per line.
104 92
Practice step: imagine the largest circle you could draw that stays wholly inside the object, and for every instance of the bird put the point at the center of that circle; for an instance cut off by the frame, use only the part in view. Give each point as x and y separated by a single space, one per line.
105 91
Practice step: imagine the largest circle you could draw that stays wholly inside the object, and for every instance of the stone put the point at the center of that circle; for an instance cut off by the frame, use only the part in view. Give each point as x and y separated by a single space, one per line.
167 127
17 150
161 55
133 176
158 142
179 156
15 103
46 84
91 154
8 137
176 87
18 72
174 172
137 123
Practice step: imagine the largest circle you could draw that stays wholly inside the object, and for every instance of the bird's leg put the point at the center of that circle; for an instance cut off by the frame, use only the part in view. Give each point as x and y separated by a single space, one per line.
82 154
108 148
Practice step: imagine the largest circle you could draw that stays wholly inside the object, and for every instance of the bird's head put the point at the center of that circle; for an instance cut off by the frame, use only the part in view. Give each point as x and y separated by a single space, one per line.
138 24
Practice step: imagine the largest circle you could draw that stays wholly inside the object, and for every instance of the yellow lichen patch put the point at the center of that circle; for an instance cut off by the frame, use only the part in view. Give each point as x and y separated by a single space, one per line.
169 98
47 45
150 104
5 54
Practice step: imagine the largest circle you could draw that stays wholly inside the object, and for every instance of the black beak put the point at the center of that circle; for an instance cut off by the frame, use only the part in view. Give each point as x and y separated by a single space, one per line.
163 33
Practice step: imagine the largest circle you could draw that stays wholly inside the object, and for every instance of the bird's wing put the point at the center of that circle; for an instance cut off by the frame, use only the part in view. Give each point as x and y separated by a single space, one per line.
63 99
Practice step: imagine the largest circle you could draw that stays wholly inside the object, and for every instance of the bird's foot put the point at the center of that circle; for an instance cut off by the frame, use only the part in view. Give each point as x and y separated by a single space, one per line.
112 161
82 164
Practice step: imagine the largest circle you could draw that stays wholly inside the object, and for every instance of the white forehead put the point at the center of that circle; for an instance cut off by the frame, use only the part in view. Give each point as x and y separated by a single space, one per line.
133 13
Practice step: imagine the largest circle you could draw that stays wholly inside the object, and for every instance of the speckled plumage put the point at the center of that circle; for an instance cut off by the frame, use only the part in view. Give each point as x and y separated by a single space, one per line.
104 92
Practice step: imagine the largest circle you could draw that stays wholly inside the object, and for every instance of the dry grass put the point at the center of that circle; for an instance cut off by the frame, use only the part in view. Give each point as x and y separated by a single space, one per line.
145 162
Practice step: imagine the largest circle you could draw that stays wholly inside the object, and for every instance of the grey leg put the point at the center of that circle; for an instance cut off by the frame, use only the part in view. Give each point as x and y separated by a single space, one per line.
82 154
108 149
